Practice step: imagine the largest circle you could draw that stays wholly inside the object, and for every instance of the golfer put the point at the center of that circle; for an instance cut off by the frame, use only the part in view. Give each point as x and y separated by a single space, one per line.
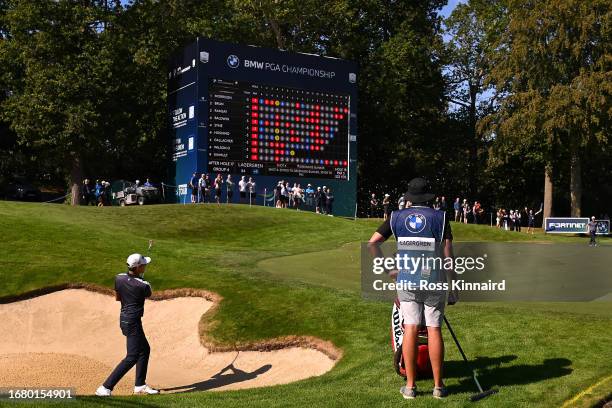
131 290
421 231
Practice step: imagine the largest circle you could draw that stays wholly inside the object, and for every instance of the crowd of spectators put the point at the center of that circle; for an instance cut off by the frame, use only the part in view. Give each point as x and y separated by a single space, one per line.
462 211
100 193
284 194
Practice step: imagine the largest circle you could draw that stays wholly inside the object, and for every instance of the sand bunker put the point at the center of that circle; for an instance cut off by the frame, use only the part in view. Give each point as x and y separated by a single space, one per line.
71 338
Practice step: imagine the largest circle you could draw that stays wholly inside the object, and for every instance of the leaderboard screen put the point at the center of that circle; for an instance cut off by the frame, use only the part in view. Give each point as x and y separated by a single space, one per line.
257 129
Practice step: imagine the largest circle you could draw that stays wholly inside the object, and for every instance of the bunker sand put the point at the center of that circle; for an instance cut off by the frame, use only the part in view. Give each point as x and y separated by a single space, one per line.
71 338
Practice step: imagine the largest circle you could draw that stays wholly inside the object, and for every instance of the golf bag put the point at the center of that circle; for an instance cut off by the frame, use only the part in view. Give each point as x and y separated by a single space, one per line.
397 337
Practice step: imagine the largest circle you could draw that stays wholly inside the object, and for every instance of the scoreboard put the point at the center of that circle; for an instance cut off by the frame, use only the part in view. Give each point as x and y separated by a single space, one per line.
269 130
263 113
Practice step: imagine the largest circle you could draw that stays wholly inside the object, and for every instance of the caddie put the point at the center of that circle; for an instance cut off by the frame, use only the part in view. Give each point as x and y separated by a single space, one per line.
421 232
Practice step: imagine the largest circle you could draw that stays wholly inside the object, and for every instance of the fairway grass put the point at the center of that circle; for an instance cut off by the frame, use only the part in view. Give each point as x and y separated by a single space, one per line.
541 354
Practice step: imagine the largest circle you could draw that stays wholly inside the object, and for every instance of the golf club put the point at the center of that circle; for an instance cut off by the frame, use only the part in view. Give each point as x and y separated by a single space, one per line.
481 394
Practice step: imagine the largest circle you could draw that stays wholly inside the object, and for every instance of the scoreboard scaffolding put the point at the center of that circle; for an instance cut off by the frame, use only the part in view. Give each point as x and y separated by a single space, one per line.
267 114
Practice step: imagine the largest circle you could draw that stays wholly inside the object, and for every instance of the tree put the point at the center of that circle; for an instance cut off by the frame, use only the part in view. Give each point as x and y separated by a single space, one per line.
471 29
54 101
553 61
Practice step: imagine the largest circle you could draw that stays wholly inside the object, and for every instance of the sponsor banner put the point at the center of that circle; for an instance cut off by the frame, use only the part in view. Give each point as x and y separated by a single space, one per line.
603 227
566 225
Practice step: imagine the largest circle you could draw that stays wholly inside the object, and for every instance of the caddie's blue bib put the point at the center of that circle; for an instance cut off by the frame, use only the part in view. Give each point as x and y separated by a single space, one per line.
419 232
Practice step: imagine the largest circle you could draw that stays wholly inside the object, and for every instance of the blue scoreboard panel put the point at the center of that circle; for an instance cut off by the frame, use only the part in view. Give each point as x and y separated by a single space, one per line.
267 114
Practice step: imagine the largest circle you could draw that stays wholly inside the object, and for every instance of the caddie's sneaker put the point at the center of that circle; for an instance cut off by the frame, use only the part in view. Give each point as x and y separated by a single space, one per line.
145 389
102 391
440 392
408 392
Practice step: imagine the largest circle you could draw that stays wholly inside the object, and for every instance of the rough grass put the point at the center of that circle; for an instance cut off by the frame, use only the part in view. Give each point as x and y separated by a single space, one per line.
539 355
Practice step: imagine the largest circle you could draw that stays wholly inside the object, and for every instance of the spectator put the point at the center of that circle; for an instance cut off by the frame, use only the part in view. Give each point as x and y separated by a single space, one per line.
499 218
207 189
436 204
324 200
218 185
137 183
318 200
86 193
99 189
252 191
107 193
517 220
202 188
593 232
466 210
476 211
229 183
284 194
443 203
386 203
278 200
457 208
531 221
329 201
297 196
373 205
242 187
309 195
401 203
290 195
193 185
148 183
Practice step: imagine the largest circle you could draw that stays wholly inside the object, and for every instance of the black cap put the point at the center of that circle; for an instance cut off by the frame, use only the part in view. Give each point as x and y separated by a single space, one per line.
418 191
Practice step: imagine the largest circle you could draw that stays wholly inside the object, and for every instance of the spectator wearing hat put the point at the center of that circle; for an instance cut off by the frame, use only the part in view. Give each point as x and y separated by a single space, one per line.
309 195
386 205
401 203
148 183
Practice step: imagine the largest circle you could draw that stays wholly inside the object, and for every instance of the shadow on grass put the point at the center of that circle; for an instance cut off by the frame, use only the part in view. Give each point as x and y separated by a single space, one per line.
490 373
220 379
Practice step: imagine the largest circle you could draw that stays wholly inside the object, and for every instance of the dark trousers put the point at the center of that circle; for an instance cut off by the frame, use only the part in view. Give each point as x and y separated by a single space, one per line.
138 351
593 237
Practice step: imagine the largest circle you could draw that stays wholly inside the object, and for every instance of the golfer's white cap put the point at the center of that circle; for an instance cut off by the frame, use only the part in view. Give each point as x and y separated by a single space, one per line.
135 260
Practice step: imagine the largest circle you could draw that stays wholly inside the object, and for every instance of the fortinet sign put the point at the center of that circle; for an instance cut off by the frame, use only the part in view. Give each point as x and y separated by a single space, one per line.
568 225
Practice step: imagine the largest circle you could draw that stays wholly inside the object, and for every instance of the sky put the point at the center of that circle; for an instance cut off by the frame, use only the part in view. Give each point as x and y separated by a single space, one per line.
446 10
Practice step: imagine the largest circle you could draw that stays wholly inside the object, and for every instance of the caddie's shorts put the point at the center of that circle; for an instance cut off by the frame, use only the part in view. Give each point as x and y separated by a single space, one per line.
413 313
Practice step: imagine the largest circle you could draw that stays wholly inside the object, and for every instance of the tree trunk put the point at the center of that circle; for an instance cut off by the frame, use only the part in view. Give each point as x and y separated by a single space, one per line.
548 191
76 176
576 183
473 149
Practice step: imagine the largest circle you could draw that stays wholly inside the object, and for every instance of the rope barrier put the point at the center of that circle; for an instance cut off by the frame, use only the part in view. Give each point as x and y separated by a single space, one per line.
56 199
